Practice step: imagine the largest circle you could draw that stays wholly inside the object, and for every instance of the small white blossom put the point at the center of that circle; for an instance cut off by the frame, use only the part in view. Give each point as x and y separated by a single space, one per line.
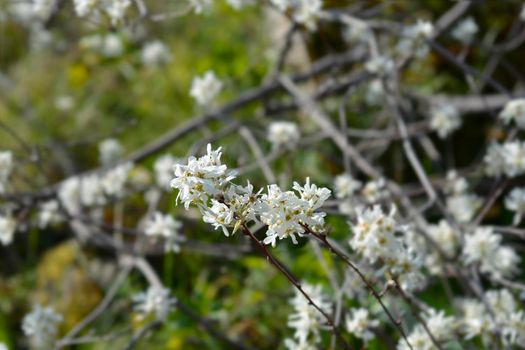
41 326
445 236
64 103
444 120
375 92
114 9
91 191
465 30
507 158
109 45
360 324
475 319
155 300
414 39
155 53
239 4
7 229
463 207
514 110
109 151
201 6
380 65
43 9
357 31
49 214
219 215
292 345
307 320
374 190
69 194
345 186
455 184
306 12
6 166
167 227
283 135
164 167
515 201
205 88
114 180
484 247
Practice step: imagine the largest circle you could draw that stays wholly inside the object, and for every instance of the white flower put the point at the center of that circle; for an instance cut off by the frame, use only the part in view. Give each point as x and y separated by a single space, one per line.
114 180
444 120
7 229
91 191
515 201
441 327
475 318
345 186
465 30
306 319
116 10
109 151
164 167
357 31
84 7
3 346
514 156
380 65
360 324
463 207
165 226
49 214
445 236
375 92
418 339
374 190
155 300
64 103
6 166
292 345
483 247
306 12
41 326
205 88
69 194
219 215
201 178
155 53
201 6
414 39
514 110
494 160
283 135
455 184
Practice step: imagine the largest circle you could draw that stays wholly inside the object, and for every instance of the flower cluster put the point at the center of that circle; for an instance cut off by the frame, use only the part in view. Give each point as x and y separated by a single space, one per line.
41 326
374 238
414 38
444 120
461 203
7 229
440 326
206 182
515 201
155 300
109 151
514 110
345 186
155 53
507 158
95 9
204 89
304 12
306 320
465 30
484 247
360 324
165 226
163 168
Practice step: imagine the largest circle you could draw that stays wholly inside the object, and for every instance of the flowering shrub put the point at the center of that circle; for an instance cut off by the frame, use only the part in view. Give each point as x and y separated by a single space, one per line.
280 174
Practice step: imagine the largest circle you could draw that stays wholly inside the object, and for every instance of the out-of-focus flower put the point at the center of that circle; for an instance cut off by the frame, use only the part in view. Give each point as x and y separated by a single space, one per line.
360 324
41 326
49 214
7 229
444 120
345 186
6 166
515 201
283 135
514 110
155 300
165 226
155 53
109 151
164 168
465 30
380 65
205 88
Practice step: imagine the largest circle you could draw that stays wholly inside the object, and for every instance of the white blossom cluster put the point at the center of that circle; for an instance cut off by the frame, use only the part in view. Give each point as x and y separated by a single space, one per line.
515 201
94 189
306 320
413 39
115 10
462 204
505 159
155 53
165 226
206 183
109 151
483 247
440 326
41 326
108 45
155 300
374 238
505 317
381 65
205 88
444 120
465 30
163 168
7 229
